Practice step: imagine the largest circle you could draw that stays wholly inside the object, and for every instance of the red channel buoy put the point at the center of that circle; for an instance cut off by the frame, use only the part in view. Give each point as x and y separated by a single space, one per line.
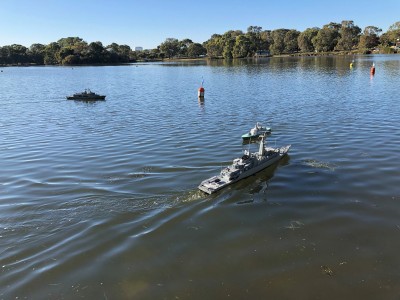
372 71
201 92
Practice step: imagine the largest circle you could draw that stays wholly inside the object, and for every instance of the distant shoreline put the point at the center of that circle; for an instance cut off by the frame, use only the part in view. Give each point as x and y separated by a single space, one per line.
183 59
307 54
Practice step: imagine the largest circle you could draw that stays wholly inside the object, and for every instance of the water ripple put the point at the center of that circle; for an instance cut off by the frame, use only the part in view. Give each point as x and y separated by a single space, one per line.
100 200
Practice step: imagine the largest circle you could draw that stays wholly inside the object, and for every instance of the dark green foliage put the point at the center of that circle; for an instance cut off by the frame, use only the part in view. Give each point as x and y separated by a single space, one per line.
349 36
326 38
36 53
66 51
215 46
369 39
242 46
278 41
291 41
196 50
14 54
392 36
51 53
345 36
305 39
170 47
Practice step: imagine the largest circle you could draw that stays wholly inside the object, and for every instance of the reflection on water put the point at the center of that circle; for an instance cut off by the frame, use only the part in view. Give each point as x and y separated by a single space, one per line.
100 200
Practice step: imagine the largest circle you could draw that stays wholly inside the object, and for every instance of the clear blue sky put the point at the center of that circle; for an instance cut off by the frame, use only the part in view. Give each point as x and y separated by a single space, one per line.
149 23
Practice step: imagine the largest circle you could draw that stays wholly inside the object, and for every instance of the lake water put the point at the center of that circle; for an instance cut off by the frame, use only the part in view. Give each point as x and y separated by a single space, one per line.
100 201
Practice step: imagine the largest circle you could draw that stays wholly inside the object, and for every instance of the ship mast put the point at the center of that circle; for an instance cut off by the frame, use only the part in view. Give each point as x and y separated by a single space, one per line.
261 150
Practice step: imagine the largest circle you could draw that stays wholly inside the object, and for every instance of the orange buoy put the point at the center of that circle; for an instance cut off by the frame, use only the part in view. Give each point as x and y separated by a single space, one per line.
201 92
372 71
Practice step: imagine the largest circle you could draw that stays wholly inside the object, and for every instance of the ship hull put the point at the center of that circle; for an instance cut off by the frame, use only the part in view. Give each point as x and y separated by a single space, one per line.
216 183
86 98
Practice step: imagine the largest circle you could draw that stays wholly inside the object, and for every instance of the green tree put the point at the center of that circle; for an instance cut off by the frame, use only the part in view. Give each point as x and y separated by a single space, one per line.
114 47
265 40
254 29
278 41
51 52
133 56
160 53
214 46
305 39
392 36
154 53
81 48
385 40
242 47
96 53
63 53
144 55
196 50
349 36
18 54
326 38
333 25
395 26
124 53
370 38
170 47
254 35
36 53
71 60
3 56
183 47
290 41
69 41
228 48
228 40
112 53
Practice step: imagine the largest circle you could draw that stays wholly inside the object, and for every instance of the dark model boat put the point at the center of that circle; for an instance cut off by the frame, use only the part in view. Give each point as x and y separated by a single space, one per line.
86 95
256 132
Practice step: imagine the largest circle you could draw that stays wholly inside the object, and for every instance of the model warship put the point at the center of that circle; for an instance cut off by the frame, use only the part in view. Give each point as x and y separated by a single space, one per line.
245 166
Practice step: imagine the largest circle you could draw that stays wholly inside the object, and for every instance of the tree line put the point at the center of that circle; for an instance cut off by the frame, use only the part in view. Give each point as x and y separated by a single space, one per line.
344 36
66 51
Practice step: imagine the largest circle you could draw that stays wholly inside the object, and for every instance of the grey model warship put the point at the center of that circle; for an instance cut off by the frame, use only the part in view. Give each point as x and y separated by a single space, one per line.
86 95
247 165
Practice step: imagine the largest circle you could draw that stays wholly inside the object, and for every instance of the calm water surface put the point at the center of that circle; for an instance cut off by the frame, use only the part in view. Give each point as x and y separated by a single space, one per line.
100 200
